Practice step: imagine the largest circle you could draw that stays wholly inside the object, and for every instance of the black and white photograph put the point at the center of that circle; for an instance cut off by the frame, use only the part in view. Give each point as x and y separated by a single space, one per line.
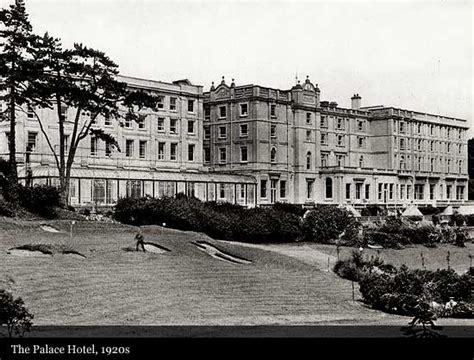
235 169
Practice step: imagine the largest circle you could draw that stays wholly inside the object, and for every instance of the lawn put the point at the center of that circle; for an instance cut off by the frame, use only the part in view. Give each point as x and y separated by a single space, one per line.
185 286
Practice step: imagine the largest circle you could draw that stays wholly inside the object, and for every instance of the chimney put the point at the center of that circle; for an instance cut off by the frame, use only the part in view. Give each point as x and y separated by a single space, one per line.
356 102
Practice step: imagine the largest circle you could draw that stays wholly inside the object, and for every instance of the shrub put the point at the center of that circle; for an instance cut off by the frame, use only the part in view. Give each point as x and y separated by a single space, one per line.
6 209
40 199
356 267
14 314
297 210
459 309
324 224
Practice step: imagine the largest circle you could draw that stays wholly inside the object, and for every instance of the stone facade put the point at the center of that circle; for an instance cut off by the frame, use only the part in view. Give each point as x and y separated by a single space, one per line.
306 151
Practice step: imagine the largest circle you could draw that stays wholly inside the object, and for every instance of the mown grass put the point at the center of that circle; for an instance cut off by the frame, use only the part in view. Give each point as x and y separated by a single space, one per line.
182 287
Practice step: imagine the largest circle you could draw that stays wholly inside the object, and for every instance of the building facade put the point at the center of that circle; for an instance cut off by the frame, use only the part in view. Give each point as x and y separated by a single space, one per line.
160 154
306 151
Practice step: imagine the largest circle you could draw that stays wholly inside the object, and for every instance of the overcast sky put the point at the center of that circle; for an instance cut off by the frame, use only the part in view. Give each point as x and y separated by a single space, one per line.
414 55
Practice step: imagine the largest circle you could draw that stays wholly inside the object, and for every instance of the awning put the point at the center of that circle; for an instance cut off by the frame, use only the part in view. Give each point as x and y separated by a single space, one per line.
125 174
448 211
352 210
466 210
412 210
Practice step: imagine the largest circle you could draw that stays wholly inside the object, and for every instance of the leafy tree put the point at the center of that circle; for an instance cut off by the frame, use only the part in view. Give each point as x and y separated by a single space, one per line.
85 80
17 71
14 314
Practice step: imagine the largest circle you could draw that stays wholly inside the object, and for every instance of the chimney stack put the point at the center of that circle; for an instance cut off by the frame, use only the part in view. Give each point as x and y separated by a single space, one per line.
356 102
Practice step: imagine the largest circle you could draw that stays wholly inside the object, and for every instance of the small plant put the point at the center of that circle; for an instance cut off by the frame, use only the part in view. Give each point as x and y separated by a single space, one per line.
14 314
425 318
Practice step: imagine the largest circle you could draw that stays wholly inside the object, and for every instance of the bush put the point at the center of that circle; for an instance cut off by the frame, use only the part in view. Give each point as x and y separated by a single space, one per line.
40 199
13 314
218 220
356 267
297 210
459 309
6 209
325 224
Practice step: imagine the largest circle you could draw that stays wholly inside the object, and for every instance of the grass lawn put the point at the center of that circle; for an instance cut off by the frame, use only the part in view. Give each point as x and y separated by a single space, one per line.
185 286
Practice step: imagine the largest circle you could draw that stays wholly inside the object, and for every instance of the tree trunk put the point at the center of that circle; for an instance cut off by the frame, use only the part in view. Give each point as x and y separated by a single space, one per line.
63 182
12 190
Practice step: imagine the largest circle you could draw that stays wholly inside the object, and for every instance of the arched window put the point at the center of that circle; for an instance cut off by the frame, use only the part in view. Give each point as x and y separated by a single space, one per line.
308 160
402 162
432 164
361 161
328 188
273 155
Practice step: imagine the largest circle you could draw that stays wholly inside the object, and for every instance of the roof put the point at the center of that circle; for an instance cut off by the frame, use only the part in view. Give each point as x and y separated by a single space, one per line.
412 210
125 174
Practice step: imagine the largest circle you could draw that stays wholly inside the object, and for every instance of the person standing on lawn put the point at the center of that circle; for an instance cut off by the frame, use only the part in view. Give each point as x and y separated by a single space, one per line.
139 238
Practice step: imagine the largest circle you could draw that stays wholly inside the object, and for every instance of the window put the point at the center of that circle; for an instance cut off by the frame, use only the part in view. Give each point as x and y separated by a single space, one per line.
360 125
142 149
432 163
431 129
401 127
141 121
161 151
380 192
361 142
263 188
222 112
30 112
367 191
328 188
191 106
432 190
418 167
98 191
222 132
161 124
173 151
134 188
460 167
221 191
409 195
309 160
108 148
419 190
448 191
207 112
129 148
324 159
449 166
340 124
191 126
222 155
31 143
324 121
273 110
191 152
308 135
282 189
448 147
459 192
63 112
244 130
243 154
340 160
309 188
402 144
160 103
207 132
308 118
107 120
460 149
273 155
324 138
242 191
431 145
418 145
348 191
173 126
273 129
207 155
402 163
244 109
340 140
361 161
419 129
390 191
173 104
402 192
358 191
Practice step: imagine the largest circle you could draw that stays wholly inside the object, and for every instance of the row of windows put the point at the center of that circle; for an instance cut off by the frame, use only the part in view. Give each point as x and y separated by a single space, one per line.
243 111
426 145
387 192
340 124
431 129
273 189
420 164
222 131
173 125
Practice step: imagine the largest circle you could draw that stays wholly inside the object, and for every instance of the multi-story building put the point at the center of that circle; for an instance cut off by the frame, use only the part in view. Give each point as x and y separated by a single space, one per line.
161 153
303 150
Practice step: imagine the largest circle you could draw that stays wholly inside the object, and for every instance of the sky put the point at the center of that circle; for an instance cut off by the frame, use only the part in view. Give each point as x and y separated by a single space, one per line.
414 55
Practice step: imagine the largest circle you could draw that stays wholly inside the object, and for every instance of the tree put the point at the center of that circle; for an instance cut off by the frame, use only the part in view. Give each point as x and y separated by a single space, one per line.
14 314
17 71
85 80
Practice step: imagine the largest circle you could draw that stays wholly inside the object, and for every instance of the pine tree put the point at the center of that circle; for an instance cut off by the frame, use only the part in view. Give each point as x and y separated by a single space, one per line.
17 71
